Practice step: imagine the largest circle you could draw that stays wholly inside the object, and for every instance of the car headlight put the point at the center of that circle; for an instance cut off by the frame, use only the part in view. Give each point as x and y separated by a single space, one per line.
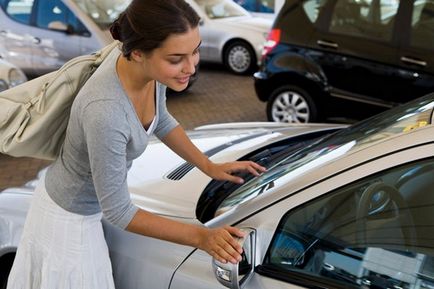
16 77
3 85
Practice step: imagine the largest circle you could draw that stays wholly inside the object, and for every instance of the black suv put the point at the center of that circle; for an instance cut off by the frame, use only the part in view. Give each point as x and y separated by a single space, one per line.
346 58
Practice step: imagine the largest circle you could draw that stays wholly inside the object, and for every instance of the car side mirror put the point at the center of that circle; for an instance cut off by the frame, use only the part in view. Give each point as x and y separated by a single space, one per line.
235 276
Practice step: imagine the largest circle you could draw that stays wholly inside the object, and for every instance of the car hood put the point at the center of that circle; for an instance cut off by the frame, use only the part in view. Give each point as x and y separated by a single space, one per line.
161 182
258 24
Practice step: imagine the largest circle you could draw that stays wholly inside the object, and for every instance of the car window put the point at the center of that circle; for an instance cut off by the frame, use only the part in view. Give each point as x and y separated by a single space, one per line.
422 28
375 233
312 8
102 12
266 6
372 19
215 9
19 10
51 11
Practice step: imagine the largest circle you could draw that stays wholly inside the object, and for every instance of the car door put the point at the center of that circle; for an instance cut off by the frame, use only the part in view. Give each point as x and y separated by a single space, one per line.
57 33
355 46
40 35
417 48
367 227
16 32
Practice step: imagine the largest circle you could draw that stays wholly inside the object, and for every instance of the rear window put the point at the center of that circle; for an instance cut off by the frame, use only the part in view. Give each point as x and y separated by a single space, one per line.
312 9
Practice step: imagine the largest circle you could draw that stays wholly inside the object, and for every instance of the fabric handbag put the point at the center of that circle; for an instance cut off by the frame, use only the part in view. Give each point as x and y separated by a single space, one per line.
34 115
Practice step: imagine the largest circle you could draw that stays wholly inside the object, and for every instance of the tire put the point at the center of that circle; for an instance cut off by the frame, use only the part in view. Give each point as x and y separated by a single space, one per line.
240 58
291 104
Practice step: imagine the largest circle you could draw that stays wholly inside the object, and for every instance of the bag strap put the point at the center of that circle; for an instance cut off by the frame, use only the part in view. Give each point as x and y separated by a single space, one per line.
104 52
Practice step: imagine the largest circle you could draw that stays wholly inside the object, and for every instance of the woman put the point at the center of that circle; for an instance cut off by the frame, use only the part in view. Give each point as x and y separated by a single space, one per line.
111 119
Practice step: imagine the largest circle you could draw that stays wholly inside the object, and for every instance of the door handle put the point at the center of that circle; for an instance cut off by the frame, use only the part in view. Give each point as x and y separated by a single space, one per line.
36 40
410 60
3 32
327 44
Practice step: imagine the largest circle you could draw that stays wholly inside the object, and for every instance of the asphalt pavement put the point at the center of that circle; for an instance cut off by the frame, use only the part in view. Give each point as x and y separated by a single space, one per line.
217 96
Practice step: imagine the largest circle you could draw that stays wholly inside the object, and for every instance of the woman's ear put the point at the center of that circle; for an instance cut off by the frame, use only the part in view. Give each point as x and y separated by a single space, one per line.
137 55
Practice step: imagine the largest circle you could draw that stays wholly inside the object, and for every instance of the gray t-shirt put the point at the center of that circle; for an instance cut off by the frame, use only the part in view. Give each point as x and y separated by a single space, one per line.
103 137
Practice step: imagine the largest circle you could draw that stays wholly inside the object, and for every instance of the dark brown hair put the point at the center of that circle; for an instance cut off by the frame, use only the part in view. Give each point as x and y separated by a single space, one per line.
145 24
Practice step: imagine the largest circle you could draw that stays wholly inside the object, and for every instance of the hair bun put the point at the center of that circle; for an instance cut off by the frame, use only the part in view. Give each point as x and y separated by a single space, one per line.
114 30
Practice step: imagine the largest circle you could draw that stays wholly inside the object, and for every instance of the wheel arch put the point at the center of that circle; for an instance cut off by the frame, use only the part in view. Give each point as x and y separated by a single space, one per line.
317 90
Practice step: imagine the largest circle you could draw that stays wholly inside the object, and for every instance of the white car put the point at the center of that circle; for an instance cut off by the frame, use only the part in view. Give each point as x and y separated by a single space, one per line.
10 75
339 207
230 34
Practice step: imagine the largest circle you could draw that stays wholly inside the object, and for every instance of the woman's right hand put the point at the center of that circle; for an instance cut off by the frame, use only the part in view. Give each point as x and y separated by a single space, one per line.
221 244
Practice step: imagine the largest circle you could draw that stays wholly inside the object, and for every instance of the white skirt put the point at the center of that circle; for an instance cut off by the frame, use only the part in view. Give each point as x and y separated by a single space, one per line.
60 249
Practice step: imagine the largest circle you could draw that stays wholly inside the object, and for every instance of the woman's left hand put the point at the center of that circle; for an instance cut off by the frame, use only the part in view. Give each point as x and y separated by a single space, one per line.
223 171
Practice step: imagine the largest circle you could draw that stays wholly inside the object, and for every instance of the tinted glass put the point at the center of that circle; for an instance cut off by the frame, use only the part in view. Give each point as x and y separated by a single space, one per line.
20 10
312 8
422 32
49 11
372 19
266 6
375 233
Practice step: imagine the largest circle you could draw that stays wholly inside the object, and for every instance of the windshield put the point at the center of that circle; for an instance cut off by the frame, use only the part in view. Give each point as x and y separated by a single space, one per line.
325 149
215 9
103 12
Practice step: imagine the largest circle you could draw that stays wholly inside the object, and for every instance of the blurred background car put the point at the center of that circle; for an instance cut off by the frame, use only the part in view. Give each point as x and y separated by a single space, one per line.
345 58
230 35
337 204
10 75
39 36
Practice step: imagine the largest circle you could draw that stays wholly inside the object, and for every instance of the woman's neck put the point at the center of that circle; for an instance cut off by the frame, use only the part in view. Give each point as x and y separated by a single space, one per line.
132 75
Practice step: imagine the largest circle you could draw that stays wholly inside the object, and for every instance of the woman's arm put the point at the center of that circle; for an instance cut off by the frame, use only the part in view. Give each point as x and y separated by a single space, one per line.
218 242
178 141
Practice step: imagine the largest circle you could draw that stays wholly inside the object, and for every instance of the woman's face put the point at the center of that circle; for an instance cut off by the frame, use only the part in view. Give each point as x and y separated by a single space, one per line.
174 62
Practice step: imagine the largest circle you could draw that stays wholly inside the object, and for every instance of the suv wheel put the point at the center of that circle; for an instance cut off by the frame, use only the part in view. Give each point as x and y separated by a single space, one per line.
290 103
239 57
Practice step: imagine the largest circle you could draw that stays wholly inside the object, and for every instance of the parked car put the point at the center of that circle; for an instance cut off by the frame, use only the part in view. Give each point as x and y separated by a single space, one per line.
346 58
339 207
40 35
10 75
230 35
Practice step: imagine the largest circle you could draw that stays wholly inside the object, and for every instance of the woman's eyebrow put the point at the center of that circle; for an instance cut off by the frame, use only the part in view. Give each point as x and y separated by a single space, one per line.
181 54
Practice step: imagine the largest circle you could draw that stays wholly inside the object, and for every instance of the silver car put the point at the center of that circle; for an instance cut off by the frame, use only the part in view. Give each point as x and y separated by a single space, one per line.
230 34
40 35
10 75
339 207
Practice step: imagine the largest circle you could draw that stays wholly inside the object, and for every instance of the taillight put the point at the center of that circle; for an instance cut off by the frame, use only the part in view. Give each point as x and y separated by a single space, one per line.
272 40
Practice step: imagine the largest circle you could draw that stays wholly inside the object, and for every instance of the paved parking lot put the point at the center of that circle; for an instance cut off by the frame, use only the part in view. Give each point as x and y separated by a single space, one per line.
216 96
